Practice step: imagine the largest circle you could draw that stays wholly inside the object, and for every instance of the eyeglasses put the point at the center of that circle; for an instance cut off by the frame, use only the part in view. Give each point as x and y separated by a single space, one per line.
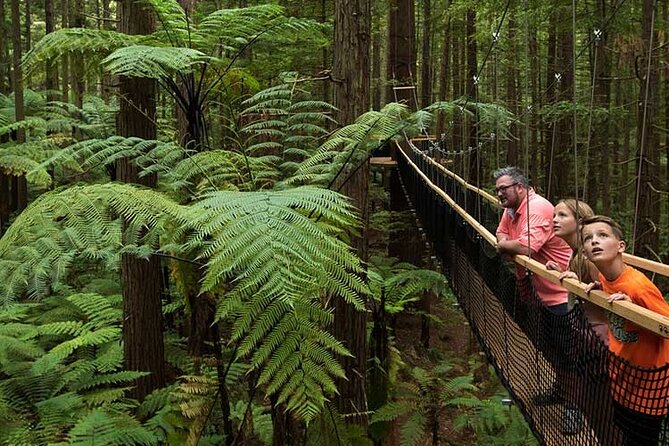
503 189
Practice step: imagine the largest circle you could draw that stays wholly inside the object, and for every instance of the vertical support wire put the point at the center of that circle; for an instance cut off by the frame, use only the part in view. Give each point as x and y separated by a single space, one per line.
573 83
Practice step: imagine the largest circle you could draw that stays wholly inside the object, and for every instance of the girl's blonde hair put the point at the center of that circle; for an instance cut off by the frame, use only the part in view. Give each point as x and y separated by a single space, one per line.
580 209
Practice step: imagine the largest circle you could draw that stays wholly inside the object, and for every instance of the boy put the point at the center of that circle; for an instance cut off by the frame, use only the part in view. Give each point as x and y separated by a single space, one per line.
640 396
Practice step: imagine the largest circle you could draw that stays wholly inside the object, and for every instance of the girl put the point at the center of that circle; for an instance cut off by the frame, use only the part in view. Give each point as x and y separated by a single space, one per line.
566 218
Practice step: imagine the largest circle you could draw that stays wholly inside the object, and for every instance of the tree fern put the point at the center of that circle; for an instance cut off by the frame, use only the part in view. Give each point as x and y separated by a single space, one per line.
94 43
352 144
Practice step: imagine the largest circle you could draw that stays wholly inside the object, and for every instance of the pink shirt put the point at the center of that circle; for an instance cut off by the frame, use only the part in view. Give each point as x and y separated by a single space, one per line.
542 241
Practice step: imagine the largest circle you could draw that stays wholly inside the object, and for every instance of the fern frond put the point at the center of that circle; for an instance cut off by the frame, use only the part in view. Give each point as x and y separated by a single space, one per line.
234 28
92 42
413 429
269 237
105 427
153 62
173 26
392 411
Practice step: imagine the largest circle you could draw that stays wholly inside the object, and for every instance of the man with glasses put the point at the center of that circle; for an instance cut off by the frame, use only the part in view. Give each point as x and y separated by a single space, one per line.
526 228
536 239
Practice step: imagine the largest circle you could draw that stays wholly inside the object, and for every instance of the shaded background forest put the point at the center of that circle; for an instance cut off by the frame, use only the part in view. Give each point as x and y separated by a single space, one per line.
199 100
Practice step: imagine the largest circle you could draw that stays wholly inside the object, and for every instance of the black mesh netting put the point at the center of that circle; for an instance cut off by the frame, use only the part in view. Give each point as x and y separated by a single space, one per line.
568 385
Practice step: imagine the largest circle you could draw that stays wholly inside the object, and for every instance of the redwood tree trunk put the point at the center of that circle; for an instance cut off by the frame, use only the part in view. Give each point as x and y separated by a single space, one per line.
5 74
402 52
141 279
426 65
646 235
352 28
65 60
51 67
472 94
512 92
19 186
77 59
444 75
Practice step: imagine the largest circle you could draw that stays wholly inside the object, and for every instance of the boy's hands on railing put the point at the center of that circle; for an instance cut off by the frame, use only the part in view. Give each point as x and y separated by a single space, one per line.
596 285
618 296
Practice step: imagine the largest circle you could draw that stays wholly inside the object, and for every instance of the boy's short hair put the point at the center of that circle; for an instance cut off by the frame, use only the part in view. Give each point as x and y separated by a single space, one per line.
615 227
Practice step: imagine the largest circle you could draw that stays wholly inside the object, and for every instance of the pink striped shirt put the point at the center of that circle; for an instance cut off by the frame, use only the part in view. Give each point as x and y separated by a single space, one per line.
542 241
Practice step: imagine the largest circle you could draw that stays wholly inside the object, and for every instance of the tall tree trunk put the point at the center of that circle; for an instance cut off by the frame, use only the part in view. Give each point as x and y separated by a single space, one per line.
65 59
51 66
512 92
595 179
77 59
5 64
325 53
456 129
665 17
426 56
537 104
28 26
565 88
106 77
646 235
472 96
19 186
352 29
444 75
377 37
143 346
402 52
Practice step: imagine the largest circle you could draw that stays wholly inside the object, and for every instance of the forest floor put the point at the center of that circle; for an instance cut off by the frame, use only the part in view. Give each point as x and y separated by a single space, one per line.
452 342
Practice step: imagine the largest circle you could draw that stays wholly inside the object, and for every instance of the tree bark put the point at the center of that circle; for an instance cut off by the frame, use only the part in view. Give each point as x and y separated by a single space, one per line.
77 59
28 25
51 83
402 52
20 186
646 235
352 28
141 278
444 77
5 64
456 128
426 56
512 92
65 59
472 95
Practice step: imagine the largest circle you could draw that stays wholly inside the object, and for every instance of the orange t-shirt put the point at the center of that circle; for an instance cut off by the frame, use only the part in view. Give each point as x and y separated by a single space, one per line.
639 346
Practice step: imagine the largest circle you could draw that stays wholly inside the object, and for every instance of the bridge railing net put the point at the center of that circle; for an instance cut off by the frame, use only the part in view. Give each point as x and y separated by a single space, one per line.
556 369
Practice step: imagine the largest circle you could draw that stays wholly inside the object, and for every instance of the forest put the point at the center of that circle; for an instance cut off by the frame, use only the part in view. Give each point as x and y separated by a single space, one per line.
195 248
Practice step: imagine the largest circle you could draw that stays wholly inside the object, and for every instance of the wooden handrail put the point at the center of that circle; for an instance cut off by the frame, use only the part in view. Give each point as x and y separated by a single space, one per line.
641 316
638 262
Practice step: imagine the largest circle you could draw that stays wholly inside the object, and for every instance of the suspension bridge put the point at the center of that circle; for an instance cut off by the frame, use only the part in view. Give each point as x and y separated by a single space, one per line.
514 330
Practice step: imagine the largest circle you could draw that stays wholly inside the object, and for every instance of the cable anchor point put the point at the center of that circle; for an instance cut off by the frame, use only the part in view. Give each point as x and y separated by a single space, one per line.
598 34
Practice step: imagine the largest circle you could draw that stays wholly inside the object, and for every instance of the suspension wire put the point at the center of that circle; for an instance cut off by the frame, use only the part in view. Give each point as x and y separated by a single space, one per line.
550 159
462 107
585 46
527 130
478 153
643 125
598 34
574 114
